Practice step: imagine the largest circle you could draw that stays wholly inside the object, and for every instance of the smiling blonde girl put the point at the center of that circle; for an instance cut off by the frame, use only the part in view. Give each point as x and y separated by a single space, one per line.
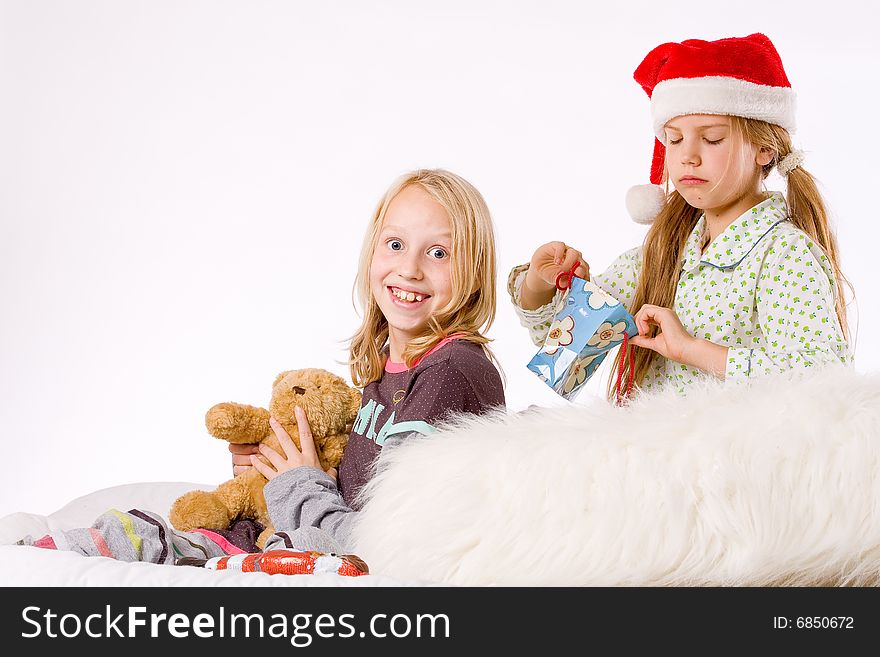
427 284
426 281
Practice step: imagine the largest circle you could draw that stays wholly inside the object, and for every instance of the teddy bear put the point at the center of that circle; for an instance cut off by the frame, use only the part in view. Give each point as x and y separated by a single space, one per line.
331 406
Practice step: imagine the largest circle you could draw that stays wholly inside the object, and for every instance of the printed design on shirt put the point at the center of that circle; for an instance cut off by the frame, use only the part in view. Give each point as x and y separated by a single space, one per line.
559 335
390 428
714 248
398 396
365 424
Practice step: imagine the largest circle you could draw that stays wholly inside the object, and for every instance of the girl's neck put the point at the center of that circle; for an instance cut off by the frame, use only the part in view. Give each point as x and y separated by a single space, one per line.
395 355
717 219
396 345
396 348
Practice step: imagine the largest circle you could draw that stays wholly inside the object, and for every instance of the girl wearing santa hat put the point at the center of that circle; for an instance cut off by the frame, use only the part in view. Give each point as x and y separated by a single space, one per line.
731 280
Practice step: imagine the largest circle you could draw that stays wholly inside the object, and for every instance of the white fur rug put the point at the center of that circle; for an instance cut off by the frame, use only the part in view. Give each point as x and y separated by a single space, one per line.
773 483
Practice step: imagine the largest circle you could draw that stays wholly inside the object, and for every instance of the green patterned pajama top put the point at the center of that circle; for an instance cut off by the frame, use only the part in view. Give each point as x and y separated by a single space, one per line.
763 289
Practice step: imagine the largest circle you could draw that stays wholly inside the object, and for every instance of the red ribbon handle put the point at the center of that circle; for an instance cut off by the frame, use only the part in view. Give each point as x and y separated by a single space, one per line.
628 357
568 275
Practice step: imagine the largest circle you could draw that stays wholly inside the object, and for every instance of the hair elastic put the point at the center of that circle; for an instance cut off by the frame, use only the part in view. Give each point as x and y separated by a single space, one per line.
790 162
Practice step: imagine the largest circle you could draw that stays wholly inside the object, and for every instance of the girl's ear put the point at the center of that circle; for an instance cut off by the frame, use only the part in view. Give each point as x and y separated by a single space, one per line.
764 157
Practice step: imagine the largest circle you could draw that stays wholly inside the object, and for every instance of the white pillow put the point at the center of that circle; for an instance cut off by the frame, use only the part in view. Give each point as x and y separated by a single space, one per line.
155 496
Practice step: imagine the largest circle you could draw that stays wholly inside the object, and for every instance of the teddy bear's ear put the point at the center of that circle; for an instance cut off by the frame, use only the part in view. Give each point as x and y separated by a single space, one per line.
355 403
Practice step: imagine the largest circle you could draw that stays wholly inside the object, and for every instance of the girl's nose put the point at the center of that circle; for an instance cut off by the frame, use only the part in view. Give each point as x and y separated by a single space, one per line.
409 267
690 156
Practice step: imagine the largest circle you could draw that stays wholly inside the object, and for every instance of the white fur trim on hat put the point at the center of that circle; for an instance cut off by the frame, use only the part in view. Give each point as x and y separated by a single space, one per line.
644 202
721 95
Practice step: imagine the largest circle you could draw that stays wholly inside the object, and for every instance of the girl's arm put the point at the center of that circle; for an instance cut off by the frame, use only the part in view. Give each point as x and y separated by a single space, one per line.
299 492
619 280
308 497
549 262
537 321
532 287
675 343
795 304
300 495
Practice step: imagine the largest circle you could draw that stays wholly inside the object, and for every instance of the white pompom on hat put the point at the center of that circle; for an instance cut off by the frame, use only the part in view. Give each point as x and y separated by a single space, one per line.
644 202
739 76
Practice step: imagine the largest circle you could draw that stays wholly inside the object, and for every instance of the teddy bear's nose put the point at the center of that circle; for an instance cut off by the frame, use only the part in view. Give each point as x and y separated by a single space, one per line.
298 390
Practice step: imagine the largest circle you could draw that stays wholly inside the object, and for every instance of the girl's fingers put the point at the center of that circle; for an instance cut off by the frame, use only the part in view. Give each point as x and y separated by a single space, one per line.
558 252
307 443
284 438
332 472
280 431
647 343
274 457
643 320
261 467
243 448
647 316
241 456
648 312
658 316
638 318
241 459
642 341
572 257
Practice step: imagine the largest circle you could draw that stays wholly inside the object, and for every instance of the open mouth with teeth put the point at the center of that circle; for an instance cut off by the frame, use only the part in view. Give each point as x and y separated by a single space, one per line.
408 296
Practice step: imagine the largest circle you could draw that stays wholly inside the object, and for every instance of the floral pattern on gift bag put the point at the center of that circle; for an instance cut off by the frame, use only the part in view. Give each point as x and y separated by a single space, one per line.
589 325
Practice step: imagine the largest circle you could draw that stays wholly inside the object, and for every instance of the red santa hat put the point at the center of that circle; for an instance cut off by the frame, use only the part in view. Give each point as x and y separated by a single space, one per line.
740 76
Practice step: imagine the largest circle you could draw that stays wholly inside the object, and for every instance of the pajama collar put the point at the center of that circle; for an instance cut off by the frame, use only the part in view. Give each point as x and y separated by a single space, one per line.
738 239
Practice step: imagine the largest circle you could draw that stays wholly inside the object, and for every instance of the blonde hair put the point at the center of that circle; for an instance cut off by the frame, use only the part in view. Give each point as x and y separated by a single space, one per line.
471 308
664 244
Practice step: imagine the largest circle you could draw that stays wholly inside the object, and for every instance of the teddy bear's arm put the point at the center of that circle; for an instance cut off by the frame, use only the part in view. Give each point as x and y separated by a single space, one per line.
238 423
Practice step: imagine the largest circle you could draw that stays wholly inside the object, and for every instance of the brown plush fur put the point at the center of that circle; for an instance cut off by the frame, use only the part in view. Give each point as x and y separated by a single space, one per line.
331 406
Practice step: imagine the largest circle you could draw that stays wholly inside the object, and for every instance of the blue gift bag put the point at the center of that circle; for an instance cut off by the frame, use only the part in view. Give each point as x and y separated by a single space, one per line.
589 325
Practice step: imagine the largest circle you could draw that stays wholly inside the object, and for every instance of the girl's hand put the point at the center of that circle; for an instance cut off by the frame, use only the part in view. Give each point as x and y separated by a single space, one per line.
241 456
292 457
672 341
547 263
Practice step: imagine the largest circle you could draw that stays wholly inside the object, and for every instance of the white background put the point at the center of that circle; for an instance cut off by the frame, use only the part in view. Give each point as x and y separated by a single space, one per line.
184 187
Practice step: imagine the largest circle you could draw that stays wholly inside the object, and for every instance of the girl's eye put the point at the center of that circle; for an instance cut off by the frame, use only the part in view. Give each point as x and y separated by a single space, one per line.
716 142
674 141
438 253
395 245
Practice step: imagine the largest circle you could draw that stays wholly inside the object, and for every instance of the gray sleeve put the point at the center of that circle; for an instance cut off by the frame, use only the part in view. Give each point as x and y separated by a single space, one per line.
307 497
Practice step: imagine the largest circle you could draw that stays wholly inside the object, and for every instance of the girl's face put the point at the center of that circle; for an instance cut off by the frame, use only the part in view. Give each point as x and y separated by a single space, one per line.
411 270
708 165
